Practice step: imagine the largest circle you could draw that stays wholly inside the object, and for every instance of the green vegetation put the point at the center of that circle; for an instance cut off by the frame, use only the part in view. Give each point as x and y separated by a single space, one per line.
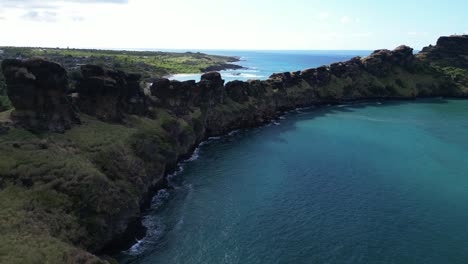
148 63
57 189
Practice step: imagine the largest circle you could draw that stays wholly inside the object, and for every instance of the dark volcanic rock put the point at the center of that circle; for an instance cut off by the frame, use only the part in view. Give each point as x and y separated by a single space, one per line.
380 62
175 95
107 94
210 89
178 96
451 51
238 91
37 89
453 44
403 55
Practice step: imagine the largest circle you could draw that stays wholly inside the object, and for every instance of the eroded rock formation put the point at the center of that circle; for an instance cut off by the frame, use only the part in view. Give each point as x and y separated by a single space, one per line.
38 92
108 94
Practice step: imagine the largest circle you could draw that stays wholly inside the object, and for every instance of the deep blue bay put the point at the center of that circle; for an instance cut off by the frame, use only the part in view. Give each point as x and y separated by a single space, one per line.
377 182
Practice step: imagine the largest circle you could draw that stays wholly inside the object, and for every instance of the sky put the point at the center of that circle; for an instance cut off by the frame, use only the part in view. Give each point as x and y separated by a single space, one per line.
239 24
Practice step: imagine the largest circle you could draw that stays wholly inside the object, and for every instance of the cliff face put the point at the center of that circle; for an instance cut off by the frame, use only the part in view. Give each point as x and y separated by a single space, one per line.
79 190
450 57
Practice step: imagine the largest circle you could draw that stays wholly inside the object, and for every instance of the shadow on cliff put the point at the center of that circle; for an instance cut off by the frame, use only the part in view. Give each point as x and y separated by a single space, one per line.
309 113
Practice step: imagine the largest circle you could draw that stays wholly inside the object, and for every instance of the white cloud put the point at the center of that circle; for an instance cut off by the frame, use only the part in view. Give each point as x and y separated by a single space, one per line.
52 3
347 35
323 15
347 19
40 16
78 18
417 33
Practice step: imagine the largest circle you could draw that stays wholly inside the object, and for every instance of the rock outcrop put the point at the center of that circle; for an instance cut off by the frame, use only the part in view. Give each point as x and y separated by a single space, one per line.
380 62
453 44
108 94
449 51
180 96
38 92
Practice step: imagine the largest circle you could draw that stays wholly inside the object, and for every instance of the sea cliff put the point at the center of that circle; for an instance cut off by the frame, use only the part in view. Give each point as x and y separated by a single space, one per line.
79 165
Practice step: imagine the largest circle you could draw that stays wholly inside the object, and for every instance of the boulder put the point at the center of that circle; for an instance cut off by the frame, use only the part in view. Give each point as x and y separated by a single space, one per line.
38 91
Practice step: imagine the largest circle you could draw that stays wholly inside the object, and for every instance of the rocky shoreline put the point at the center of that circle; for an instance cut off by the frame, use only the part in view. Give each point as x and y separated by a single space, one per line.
123 140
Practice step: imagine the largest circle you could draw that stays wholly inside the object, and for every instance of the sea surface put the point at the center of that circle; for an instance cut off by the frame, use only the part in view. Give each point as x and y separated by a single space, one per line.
259 65
377 182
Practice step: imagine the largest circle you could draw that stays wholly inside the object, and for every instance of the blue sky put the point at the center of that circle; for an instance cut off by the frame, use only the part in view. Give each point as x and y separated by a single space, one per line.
240 24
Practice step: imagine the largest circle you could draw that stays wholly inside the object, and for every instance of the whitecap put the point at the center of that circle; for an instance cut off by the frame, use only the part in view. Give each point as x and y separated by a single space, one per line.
154 231
195 155
242 75
183 75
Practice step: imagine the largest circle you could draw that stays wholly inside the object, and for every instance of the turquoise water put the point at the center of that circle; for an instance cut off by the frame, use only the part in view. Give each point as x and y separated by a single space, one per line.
366 183
261 64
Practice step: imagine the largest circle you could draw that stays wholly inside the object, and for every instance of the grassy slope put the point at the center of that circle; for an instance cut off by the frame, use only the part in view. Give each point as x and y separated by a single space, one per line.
49 180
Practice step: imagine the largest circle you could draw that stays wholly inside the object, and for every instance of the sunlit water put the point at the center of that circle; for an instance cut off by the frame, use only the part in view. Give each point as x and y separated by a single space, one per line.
261 64
367 183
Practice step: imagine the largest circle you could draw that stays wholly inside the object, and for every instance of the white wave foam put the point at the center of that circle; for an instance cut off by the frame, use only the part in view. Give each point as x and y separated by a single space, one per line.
183 75
195 155
153 224
159 198
155 230
250 70
242 75
171 176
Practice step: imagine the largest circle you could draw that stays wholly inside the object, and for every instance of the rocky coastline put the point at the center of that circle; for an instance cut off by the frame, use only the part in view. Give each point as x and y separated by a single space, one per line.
83 163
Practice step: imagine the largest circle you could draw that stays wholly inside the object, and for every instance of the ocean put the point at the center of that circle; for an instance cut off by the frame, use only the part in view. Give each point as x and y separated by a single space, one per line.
376 182
259 65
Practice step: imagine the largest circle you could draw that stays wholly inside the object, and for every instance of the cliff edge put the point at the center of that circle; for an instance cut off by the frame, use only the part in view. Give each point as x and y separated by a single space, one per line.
79 165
